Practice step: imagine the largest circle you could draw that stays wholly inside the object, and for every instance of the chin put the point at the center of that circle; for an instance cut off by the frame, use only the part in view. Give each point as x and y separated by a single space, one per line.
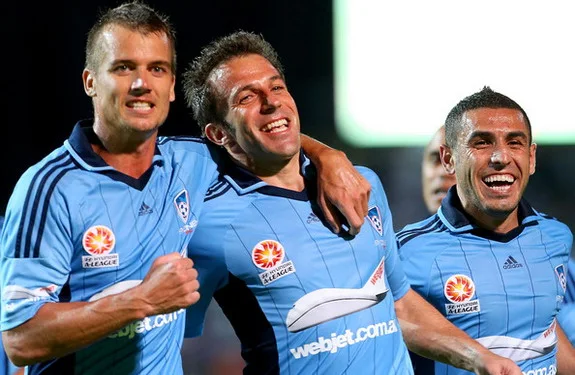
500 211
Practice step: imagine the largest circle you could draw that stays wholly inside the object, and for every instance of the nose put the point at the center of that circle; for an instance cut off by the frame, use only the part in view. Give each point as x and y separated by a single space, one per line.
270 103
500 156
139 84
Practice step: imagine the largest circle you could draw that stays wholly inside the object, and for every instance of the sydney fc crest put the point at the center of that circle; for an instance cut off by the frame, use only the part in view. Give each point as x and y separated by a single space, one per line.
182 203
561 276
374 217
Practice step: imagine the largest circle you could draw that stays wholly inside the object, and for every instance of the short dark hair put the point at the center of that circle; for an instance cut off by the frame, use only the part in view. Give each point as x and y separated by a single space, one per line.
486 98
134 15
199 94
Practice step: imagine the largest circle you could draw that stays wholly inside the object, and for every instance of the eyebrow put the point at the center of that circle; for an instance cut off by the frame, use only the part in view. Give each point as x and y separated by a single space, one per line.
249 86
487 134
153 63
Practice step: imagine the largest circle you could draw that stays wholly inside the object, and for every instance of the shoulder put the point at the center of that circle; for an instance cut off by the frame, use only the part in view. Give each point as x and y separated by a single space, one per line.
373 179
222 203
198 145
47 174
554 228
368 173
423 236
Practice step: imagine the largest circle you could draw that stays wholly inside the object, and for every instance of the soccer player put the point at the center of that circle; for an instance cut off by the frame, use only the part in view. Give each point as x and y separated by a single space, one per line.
301 299
435 181
7 367
487 260
567 314
92 274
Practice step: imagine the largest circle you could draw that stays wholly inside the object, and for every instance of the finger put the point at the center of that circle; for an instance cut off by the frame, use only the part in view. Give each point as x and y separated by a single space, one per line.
365 200
329 213
353 219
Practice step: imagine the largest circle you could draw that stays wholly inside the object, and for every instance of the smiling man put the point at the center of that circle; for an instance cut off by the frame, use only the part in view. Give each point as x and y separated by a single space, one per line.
302 299
488 261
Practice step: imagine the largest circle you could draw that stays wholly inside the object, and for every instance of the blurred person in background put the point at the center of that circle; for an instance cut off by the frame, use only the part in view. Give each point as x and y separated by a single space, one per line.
435 181
487 260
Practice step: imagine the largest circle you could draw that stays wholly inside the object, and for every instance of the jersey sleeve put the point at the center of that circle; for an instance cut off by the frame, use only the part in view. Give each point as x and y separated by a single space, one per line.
417 265
395 275
566 315
35 250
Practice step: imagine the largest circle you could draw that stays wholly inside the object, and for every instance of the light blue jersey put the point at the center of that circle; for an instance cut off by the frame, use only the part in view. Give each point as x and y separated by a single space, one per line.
567 313
6 367
503 290
77 230
301 299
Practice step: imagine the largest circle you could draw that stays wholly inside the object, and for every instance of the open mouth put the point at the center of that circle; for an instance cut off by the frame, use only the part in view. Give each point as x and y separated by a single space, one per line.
276 126
140 105
499 181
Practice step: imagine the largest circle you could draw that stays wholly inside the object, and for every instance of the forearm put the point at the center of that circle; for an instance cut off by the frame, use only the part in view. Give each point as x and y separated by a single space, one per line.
312 146
565 354
442 347
427 333
58 329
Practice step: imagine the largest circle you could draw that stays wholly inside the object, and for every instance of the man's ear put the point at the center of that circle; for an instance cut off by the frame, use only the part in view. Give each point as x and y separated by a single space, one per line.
88 79
216 134
447 160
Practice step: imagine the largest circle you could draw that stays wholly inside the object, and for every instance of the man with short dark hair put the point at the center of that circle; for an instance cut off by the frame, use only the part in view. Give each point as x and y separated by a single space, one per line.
301 299
487 260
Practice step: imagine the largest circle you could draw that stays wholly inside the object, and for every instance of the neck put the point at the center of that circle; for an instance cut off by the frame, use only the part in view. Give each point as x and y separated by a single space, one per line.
499 223
282 173
130 153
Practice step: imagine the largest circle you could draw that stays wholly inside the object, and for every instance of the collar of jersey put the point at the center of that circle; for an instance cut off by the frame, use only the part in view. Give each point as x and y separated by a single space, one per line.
452 215
243 181
79 145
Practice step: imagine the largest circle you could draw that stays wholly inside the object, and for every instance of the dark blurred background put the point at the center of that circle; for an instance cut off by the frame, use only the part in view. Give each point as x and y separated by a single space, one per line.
42 81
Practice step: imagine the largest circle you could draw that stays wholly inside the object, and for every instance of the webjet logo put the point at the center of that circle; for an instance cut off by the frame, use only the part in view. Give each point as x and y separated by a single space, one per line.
146 325
338 341
551 370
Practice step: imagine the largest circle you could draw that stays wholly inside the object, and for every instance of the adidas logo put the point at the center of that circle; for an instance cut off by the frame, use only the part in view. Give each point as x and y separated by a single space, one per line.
312 218
511 263
145 210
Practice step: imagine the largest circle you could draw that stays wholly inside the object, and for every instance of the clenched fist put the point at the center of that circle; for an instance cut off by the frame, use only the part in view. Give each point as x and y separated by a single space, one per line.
171 284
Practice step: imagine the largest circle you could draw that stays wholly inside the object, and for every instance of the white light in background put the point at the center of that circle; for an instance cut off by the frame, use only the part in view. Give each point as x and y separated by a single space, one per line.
400 66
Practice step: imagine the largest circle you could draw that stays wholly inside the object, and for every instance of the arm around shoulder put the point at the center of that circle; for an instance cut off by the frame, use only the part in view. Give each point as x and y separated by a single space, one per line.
341 188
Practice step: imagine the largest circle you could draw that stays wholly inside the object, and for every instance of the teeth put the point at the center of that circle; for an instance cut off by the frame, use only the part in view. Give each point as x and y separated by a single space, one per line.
275 126
140 105
499 178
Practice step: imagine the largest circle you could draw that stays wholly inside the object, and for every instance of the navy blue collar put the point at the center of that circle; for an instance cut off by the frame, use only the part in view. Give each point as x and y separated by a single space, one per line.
456 219
244 181
79 145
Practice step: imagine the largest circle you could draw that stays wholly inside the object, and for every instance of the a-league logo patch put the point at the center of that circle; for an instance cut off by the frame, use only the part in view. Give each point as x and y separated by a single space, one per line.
560 272
374 217
268 255
182 203
99 241
460 289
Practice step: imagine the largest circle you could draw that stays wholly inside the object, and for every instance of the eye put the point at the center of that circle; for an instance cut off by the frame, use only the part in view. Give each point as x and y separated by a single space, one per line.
159 69
480 143
246 98
121 68
278 88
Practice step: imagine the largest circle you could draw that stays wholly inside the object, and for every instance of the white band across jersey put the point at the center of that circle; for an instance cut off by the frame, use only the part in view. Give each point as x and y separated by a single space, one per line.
521 350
